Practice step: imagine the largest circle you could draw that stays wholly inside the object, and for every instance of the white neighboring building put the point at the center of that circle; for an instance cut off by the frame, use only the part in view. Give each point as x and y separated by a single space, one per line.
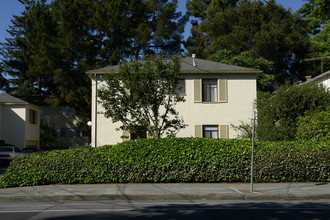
323 79
217 96
19 122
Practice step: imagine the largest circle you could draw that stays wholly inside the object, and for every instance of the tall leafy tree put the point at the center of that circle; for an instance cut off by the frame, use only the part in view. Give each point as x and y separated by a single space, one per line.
278 113
317 14
127 99
265 30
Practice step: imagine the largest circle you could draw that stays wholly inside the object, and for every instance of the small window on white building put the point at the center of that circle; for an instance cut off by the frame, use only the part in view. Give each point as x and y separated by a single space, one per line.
32 116
210 131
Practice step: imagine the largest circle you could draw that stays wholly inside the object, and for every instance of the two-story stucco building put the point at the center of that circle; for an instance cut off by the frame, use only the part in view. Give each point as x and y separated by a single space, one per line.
217 96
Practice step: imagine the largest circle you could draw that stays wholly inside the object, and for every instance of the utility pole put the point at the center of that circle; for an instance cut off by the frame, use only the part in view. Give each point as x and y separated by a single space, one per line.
318 58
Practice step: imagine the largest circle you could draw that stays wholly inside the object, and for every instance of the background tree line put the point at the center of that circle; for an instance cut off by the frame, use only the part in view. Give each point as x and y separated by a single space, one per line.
53 43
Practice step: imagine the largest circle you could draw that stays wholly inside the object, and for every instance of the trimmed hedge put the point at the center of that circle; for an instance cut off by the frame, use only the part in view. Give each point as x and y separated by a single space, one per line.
293 161
172 160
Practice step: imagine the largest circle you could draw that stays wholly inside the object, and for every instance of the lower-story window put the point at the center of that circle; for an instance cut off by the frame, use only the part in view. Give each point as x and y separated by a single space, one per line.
210 131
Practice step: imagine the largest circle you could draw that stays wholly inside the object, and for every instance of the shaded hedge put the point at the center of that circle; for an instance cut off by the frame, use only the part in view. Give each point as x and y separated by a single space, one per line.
172 160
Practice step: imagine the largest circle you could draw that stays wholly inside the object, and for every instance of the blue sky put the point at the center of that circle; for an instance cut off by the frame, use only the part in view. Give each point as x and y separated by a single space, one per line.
9 8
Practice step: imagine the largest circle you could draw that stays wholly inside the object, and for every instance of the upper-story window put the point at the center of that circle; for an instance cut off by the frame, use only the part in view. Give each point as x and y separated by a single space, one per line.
180 87
210 90
32 116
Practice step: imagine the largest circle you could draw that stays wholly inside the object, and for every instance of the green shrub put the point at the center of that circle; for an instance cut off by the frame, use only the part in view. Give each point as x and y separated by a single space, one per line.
144 160
278 113
314 126
173 160
293 161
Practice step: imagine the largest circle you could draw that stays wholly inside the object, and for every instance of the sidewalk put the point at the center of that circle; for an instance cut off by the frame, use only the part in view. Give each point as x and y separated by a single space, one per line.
179 191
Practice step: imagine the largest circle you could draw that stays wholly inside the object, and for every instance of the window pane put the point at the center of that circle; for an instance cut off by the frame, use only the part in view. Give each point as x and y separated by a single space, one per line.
210 131
214 93
214 134
210 90
32 116
181 87
207 134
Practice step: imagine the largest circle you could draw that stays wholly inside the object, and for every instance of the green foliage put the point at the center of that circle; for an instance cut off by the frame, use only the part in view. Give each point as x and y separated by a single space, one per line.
142 160
314 126
265 81
320 47
172 160
278 113
142 95
266 30
316 12
244 130
294 161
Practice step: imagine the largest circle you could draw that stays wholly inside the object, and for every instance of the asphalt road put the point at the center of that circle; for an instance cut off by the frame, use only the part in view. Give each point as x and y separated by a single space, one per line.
146 209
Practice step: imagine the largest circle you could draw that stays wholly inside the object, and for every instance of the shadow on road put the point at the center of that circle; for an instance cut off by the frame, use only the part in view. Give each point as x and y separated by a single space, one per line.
242 211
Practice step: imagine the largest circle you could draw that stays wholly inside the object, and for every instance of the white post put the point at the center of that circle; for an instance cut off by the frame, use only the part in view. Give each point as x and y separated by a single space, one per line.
252 153
95 113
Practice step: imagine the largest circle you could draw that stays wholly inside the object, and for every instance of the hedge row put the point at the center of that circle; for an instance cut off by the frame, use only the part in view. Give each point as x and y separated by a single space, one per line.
172 160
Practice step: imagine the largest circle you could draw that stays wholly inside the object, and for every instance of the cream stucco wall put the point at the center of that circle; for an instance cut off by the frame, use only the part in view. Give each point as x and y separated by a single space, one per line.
241 95
13 125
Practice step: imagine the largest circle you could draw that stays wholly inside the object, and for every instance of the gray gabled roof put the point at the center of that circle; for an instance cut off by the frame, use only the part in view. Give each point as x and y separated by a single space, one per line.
8 99
187 67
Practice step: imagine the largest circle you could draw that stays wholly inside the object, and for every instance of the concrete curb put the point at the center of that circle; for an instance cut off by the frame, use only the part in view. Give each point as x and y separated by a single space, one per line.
81 197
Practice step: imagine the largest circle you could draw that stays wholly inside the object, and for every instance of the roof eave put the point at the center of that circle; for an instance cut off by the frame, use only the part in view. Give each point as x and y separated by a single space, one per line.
257 72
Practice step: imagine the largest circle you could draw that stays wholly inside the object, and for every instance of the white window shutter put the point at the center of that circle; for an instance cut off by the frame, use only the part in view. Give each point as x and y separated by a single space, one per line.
198 131
197 90
224 131
222 90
